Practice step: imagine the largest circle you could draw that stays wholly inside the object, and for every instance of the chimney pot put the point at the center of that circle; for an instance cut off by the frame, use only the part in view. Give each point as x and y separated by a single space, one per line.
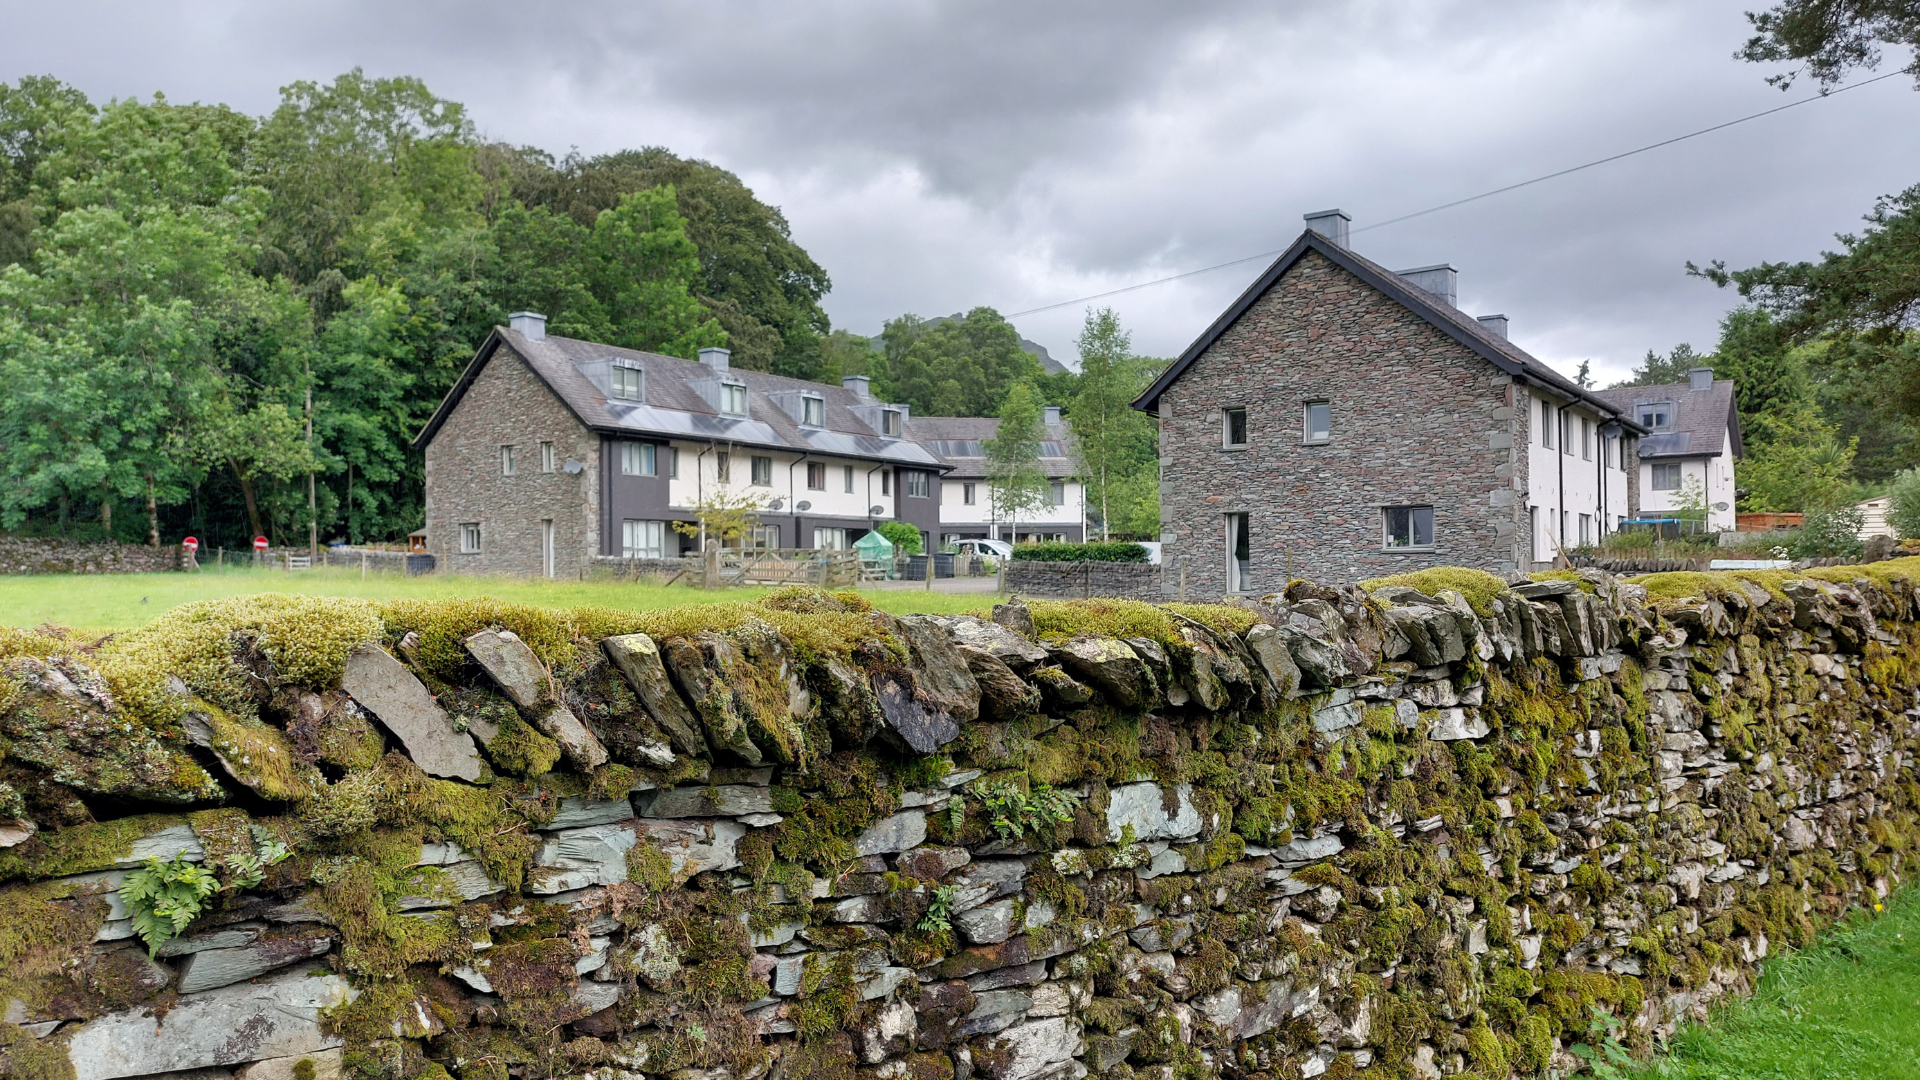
1440 281
1495 324
529 324
1050 415
1331 224
717 359
859 384
1700 378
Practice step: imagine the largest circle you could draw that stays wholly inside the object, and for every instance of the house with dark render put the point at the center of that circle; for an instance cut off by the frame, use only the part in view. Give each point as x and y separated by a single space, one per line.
1343 421
549 451
1692 441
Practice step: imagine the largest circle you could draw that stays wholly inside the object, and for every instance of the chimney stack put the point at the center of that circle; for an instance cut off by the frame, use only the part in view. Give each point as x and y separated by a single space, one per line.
859 384
529 324
1331 224
1050 415
1700 378
1441 281
1495 324
717 359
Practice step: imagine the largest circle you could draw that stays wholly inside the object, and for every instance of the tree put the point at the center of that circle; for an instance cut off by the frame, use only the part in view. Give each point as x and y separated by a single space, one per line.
1796 461
723 516
1831 37
1016 483
1657 370
1112 439
1904 513
958 366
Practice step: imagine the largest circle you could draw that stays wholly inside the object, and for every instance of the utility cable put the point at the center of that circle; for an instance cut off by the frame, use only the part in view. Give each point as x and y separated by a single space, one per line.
1474 198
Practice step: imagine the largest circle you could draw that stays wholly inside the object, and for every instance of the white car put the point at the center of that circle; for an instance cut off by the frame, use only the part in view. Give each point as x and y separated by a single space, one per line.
991 549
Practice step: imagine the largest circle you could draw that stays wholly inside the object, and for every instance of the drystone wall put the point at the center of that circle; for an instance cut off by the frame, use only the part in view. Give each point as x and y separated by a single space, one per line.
46 555
1130 581
1406 833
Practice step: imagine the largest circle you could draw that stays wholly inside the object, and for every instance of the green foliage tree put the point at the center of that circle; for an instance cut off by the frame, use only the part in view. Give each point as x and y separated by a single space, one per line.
1112 440
1904 512
1017 485
1658 370
1796 461
1830 37
902 535
959 366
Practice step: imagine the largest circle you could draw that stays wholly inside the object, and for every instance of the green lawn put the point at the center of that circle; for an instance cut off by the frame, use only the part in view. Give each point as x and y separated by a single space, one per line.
101 602
1848 1006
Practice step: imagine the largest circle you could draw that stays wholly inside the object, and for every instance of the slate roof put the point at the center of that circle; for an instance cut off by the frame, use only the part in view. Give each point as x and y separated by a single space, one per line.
958 440
1448 319
1703 420
674 406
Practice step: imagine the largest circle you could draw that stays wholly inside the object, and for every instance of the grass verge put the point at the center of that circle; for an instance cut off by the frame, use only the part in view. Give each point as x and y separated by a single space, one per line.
1848 1005
103 602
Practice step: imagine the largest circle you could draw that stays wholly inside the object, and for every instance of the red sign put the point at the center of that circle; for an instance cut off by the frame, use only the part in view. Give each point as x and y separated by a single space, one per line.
190 544
259 543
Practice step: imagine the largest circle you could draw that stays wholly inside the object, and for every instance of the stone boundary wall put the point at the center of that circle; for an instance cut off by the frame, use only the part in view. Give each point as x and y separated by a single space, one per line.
1134 581
47 555
1400 834
598 567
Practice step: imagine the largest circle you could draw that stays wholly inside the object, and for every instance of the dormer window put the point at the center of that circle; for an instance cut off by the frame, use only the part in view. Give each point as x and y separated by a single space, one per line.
628 383
813 412
1657 416
733 399
890 423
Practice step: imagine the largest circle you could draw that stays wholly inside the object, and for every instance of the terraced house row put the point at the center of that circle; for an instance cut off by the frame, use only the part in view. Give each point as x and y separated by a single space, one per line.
550 451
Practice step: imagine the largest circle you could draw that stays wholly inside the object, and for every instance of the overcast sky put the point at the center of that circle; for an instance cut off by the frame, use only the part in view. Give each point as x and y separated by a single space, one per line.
935 156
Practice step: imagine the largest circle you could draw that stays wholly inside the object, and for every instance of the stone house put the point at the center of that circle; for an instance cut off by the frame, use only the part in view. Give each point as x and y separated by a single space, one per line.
1342 421
966 496
549 451
1693 437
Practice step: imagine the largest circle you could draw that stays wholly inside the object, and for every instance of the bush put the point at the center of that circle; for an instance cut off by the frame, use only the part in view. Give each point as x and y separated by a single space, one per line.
1904 514
1830 532
904 537
1113 551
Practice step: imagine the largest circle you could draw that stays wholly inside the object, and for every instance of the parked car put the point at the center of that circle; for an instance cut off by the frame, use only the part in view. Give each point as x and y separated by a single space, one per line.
988 549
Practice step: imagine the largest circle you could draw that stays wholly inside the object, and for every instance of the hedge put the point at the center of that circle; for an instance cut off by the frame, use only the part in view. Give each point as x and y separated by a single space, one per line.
1112 551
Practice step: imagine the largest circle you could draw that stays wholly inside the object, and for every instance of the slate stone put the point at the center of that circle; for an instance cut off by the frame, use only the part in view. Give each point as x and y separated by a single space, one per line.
638 659
323 1065
1452 724
1014 616
786 974
904 830
1003 695
1143 806
988 924
932 863
882 982
693 846
994 1010
1308 849
579 811
1320 662
910 721
1111 667
270 1018
687 660
522 677
1020 975
940 673
576 858
384 687
984 880
995 640
208 968
725 800
1035 1047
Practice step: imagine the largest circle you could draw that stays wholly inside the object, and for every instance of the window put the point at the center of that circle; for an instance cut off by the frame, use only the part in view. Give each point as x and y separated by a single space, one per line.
1666 477
1052 448
1057 495
723 467
673 462
1408 526
1533 530
470 537
967 494
846 477
1586 530
546 457
1566 432
733 399
916 485
1566 517
1586 438
639 459
830 539
506 461
1233 427
762 537
890 423
643 539
886 482
1546 424
816 476
629 383
762 471
1319 421
1239 554
1657 416
813 411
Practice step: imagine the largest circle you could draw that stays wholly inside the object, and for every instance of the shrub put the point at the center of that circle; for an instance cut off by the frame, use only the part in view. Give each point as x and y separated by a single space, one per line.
1832 531
1904 514
904 537
1112 551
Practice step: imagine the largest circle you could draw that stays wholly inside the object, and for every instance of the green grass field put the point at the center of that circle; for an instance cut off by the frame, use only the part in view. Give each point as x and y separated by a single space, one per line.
102 602
1848 1006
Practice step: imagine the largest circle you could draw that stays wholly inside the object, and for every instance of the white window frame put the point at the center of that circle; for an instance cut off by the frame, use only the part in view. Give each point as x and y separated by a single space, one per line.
639 459
1413 512
723 467
1547 423
546 457
733 398
1239 571
818 468
813 411
1057 494
506 459
886 482
469 537
1307 433
1227 416
1658 468
890 423
762 471
918 486
1586 439
673 462
967 494
627 382
846 474
643 539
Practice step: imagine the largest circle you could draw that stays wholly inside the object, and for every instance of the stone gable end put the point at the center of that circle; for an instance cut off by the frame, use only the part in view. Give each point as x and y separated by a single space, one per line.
1416 419
507 404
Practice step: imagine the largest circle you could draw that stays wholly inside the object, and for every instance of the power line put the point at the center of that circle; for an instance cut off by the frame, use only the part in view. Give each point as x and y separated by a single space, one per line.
1472 198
